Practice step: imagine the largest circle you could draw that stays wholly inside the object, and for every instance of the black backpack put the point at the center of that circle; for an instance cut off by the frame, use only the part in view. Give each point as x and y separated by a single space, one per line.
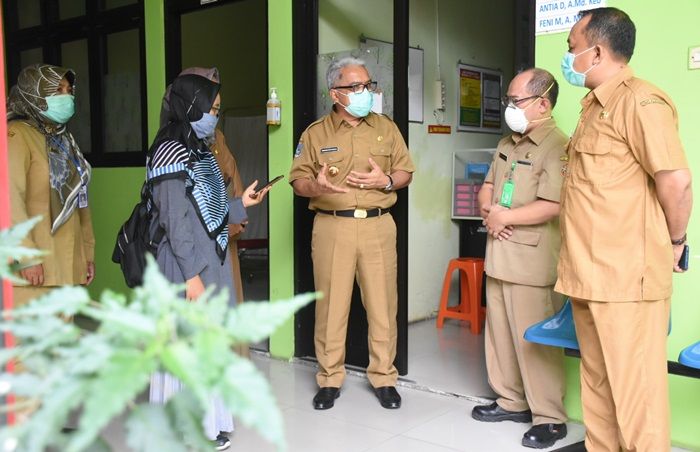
140 234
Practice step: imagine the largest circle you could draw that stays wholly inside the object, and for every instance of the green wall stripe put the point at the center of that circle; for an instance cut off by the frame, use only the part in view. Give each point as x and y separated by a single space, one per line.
681 84
154 19
280 146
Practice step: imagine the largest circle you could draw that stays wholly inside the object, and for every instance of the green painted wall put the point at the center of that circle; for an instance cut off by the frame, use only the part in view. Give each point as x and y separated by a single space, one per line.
281 145
238 28
665 31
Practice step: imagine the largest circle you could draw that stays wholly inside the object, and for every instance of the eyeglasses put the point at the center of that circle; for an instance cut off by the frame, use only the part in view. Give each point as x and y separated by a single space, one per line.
507 101
357 88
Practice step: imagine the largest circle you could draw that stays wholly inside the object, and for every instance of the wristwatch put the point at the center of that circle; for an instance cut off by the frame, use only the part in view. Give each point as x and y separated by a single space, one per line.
390 185
681 240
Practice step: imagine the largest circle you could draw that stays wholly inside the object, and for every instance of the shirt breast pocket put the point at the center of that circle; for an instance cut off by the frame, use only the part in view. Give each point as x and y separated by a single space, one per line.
336 163
382 157
595 163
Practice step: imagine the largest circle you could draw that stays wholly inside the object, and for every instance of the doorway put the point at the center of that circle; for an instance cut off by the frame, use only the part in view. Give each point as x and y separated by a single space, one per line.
312 53
231 35
447 33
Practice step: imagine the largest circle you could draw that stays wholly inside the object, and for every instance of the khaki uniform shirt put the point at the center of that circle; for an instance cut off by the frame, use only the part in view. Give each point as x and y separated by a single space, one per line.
529 256
333 141
73 244
616 244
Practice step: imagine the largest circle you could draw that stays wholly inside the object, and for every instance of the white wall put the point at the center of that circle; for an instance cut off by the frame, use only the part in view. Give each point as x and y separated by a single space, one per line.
478 33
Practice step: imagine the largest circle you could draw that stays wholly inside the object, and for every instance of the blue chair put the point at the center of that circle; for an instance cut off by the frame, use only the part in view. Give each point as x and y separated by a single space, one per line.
557 331
690 356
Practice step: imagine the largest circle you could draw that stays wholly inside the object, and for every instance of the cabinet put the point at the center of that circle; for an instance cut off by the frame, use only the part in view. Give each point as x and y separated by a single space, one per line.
469 168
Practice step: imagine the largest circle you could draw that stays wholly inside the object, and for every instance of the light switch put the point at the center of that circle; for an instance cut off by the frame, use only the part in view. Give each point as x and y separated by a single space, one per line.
694 58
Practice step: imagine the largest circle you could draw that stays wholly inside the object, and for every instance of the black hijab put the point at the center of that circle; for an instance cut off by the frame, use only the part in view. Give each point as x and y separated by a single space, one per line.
190 97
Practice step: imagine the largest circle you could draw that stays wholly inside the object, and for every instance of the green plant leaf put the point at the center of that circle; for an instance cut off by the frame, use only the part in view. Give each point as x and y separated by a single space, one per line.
186 414
149 429
247 394
11 249
245 323
49 419
64 301
126 374
181 362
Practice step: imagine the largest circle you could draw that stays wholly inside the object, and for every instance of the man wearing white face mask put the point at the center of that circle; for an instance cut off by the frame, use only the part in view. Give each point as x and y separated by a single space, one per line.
625 206
519 202
350 163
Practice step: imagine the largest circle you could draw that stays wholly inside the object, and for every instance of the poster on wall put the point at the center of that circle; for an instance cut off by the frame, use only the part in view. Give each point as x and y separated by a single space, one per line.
479 99
558 16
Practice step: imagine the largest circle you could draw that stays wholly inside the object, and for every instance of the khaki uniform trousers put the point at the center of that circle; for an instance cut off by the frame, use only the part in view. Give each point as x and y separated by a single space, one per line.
343 248
624 380
524 375
21 295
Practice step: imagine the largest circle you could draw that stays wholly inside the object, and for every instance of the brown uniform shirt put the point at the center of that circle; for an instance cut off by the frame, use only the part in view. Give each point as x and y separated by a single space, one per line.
73 244
616 244
529 257
333 141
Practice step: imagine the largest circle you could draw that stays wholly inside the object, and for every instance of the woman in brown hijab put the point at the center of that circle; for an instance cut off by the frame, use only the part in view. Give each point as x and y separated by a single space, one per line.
49 177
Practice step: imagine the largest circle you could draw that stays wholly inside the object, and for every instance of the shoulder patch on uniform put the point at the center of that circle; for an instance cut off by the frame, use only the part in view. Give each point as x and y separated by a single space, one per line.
297 151
10 133
652 100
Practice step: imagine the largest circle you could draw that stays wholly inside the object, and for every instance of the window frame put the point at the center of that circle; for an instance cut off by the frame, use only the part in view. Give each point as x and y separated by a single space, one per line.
94 27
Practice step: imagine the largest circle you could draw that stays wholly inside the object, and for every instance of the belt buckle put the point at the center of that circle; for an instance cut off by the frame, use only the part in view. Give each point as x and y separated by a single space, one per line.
360 213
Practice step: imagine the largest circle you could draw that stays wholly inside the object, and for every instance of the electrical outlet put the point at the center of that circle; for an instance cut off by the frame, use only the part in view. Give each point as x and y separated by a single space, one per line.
694 58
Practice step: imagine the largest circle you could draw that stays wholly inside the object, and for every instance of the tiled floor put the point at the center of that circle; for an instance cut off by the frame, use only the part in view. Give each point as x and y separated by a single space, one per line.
446 379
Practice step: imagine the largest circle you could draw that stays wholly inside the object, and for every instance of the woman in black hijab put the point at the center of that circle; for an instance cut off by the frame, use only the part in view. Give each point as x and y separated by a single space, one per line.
194 211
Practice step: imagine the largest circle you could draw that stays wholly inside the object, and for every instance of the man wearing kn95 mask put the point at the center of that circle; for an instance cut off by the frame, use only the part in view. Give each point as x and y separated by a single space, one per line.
519 202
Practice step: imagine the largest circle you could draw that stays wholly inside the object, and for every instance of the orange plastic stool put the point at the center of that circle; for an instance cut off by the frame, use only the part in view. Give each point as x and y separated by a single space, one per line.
471 273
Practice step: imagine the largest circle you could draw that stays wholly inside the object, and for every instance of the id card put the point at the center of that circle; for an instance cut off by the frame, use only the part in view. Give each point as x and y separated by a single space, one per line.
82 198
507 194
508 189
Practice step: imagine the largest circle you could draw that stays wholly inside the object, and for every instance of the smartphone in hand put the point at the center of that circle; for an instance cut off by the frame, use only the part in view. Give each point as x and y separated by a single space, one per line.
685 258
268 184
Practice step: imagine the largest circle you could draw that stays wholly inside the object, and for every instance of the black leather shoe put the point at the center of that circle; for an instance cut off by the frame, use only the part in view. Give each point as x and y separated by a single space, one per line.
388 397
544 435
494 413
325 398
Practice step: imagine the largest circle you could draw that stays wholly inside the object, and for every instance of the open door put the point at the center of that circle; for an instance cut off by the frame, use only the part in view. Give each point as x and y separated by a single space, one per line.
232 36
308 89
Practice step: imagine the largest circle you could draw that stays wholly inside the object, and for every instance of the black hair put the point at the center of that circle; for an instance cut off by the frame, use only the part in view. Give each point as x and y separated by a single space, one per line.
539 83
613 27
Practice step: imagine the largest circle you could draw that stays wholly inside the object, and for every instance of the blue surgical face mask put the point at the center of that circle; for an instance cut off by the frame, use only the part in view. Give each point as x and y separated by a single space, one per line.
572 75
360 104
205 126
59 108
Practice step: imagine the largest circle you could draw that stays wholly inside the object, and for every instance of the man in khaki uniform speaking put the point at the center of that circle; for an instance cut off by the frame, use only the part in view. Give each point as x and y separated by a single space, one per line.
625 207
349 163
519 202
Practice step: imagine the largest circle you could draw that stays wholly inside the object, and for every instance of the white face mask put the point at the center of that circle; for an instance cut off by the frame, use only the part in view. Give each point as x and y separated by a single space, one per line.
516 120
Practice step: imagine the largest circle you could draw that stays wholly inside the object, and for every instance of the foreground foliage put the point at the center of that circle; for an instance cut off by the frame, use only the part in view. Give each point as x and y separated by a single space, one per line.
103 371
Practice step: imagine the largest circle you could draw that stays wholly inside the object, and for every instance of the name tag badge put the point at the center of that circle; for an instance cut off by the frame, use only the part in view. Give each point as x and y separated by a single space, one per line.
327 150
502 156
82 198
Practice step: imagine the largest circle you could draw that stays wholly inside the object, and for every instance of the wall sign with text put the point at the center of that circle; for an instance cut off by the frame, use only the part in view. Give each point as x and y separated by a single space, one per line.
556 16
479 99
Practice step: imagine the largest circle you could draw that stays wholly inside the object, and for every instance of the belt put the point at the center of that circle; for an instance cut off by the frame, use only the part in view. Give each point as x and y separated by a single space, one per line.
354 213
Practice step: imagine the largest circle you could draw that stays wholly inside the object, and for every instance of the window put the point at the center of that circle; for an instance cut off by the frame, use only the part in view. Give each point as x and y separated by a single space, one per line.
103 42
